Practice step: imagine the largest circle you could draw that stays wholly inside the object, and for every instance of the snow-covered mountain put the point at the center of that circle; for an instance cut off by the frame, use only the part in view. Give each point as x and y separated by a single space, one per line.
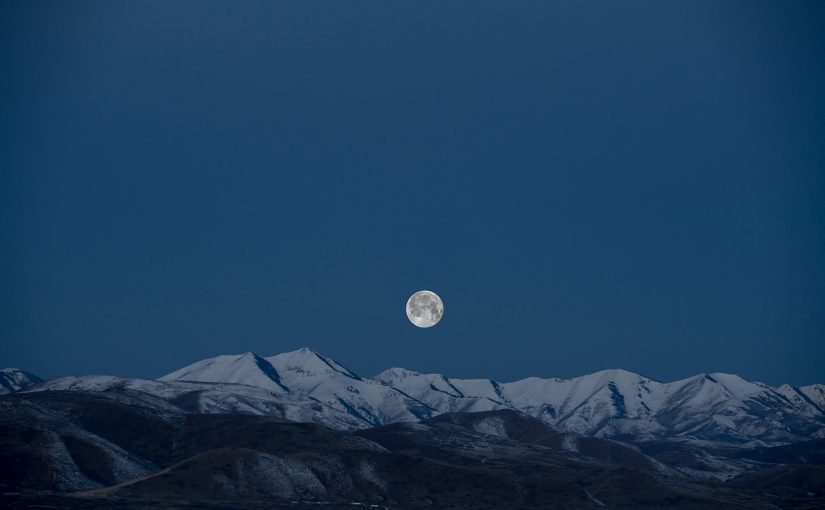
306 374
810 398
615 403
248 369
610 403
14 379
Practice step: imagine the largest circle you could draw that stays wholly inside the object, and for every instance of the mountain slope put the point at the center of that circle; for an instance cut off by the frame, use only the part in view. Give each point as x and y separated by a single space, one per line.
81 440
208 398
14 379
816 394
249 369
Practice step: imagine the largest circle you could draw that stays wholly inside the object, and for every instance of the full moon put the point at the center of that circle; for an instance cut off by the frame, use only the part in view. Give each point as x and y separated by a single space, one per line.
424 309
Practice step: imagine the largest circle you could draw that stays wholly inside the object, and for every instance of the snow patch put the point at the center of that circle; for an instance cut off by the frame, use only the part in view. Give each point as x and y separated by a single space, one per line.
491 426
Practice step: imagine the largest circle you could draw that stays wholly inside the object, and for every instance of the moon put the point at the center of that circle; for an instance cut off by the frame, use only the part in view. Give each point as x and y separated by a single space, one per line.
425 309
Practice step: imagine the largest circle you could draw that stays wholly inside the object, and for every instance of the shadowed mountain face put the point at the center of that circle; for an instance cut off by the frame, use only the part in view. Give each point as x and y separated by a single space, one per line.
14 379
111 449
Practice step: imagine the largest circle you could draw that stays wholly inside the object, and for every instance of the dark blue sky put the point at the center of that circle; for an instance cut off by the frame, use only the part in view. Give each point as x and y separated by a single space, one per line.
587 185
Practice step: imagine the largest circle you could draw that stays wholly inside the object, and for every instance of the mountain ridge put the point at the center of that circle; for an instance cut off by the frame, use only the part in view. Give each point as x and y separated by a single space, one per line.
607 403
611 403
698 426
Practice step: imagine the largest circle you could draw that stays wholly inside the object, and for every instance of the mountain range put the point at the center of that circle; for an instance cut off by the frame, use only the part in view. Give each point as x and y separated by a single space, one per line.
110 437
609 403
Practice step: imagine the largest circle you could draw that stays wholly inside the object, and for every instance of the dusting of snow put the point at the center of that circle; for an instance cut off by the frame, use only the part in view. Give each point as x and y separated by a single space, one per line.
491 426
367 471
570 443
264 474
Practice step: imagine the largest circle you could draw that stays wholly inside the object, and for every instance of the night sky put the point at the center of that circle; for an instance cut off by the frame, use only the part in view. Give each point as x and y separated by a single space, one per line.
587 185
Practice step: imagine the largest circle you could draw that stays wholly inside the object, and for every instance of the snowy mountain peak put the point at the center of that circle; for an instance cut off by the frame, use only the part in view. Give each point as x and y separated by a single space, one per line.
305 363
815 392
737 385
618 373
248 368
395 373
809 399
13 379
